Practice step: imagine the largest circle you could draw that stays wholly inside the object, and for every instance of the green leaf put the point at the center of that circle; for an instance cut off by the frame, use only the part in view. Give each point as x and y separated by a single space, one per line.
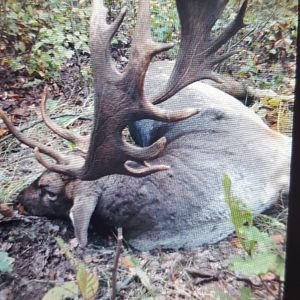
88 283
275 102
253 236
258 264
69 53
241 216
246 294
66 290
5 262
70 145
279 268
33 83
61 244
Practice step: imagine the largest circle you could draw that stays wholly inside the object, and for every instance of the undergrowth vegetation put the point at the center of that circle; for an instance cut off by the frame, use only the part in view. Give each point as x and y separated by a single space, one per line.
39 37
263 256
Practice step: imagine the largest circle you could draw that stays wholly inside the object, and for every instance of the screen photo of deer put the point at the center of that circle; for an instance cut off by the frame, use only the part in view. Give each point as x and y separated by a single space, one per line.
145 148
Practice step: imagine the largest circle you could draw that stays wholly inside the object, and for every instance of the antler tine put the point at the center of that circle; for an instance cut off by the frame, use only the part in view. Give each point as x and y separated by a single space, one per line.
63 167
80 141
196 58
101 35
138 171
144 48
231 30
32 143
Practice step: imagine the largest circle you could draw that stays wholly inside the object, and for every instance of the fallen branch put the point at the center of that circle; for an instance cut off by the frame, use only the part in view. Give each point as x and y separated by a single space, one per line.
275 295
116 264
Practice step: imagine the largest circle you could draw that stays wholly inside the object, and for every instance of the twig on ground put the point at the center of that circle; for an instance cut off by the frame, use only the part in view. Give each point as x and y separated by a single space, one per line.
275 295
116 264
246 279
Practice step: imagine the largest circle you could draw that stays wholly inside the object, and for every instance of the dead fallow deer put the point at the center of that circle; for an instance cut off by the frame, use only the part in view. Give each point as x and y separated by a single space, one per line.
109 182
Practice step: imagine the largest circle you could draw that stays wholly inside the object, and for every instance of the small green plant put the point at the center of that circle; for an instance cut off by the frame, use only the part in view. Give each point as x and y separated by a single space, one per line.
262 253
245 294
6 262
86 284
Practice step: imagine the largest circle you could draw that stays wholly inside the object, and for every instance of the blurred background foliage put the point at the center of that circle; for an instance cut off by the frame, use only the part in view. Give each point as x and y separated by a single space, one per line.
39 37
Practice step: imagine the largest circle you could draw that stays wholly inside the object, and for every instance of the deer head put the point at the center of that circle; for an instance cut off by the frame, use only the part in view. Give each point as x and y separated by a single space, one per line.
90 179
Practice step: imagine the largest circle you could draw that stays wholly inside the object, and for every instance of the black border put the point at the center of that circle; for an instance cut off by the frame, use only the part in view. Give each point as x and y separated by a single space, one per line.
292 268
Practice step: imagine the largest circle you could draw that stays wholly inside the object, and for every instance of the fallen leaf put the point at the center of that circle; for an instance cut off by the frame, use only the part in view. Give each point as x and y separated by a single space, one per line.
143 277
88 283
127 262
3 132
278 239
5 210
66 290
236 243
268 276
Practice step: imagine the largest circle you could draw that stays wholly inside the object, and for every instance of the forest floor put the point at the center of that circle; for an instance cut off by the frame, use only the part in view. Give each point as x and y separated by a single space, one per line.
200 273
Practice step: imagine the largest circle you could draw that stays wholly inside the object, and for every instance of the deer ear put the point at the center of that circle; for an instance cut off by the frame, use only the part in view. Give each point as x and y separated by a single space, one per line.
81 214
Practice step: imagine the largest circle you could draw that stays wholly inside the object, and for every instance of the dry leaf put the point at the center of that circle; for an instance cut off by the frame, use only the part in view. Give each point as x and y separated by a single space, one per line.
127 262
236 243
5 210
268 276
278 239
3 132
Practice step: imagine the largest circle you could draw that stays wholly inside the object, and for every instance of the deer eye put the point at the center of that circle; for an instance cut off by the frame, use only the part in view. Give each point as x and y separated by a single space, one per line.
51 196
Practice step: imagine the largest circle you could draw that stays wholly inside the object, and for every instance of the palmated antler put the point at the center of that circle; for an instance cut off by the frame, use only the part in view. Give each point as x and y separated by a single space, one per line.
197 53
